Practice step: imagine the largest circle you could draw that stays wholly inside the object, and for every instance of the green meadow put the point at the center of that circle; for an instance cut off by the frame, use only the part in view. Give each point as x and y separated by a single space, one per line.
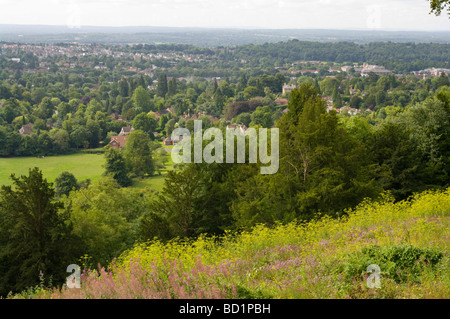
82 165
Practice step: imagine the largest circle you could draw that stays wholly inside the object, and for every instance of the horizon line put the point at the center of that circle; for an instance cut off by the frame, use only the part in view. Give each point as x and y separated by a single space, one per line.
249 28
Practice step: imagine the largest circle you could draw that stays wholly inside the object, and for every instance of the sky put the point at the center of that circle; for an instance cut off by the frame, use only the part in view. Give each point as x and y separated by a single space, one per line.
412 15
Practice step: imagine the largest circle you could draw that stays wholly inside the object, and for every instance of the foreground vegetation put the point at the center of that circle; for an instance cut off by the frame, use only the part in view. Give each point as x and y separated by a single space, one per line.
325 258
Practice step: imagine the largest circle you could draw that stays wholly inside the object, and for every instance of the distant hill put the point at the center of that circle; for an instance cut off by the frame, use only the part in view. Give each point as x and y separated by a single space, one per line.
204 37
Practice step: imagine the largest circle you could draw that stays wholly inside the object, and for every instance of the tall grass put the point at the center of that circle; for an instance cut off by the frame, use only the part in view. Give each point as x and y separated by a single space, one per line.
308 260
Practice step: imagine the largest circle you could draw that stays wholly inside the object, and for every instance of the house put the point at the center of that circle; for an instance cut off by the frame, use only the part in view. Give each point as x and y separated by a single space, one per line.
118 141
288 88
377 69
168 141
126 130
117 118
431 72
234 126
194 116
160 113
281 102
172 140
346 68
26 129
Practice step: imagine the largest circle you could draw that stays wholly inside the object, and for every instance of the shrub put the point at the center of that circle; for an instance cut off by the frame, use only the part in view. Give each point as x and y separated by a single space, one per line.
399 262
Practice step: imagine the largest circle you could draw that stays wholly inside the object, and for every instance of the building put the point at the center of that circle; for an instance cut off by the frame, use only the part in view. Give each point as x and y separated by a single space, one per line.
26 129
282 102
377 69
380 71
432 72
126 130
346 68
287 88
118 142
169 141
194 116
234 126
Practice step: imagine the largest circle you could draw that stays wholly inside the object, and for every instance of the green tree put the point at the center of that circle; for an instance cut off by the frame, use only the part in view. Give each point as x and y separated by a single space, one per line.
243 118
124 88
45 143
34 237
355 101
169 127
209 108
94 133
242 83
262 116
65 183
322 168
219 101
144 122
172 87
10 110
79 136
106 217
337 100
251 91
437 6
141 99
138 154
46 108
66 82
193 201
115 166
162 86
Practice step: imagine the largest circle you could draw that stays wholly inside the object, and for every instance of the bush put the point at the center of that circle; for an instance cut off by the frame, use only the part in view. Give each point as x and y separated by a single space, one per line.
400 263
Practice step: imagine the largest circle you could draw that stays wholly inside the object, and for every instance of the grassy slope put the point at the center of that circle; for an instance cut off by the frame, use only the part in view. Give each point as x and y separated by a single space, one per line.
314 260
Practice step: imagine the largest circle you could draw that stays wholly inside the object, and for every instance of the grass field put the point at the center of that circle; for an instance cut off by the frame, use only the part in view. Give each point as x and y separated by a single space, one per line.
82 166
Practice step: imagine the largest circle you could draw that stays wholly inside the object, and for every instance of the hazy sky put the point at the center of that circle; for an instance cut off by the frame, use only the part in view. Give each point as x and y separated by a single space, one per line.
274 14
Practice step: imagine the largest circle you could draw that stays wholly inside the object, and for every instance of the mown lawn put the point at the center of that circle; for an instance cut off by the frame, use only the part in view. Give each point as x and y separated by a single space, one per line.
82 166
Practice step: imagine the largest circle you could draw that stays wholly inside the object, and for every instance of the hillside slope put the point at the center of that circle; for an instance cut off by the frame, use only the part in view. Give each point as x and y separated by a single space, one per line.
326 258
